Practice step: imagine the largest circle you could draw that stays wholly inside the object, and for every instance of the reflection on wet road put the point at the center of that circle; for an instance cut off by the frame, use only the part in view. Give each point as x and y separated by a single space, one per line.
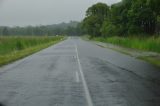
79 73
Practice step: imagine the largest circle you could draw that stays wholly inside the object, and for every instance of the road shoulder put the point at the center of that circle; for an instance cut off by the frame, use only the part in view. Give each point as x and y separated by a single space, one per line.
151 57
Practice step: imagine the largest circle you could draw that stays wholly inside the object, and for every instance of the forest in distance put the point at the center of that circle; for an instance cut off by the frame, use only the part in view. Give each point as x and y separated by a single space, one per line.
71 28
125 18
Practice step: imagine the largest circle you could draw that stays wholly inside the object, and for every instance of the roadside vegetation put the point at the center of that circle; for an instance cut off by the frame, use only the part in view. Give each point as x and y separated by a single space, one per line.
128 23
71 28
141 43
144 48
126 18
13 48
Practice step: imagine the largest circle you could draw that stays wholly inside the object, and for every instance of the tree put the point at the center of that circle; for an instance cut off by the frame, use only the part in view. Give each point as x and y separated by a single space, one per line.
108 29
154 4
5 31
95 16
141 16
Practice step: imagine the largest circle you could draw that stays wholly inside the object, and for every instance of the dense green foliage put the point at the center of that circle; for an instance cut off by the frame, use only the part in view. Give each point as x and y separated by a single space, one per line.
128 17
13 48
71 28
95 17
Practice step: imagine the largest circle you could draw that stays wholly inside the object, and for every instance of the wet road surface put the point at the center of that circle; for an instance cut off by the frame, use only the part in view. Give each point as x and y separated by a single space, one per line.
79 73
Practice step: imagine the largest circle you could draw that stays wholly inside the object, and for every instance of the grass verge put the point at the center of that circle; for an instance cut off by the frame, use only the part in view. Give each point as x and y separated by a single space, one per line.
14 48
144 44
151 59
141 43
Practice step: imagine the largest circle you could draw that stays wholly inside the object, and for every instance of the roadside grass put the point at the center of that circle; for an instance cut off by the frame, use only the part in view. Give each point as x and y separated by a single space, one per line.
148 44
151 59
151 44
14 48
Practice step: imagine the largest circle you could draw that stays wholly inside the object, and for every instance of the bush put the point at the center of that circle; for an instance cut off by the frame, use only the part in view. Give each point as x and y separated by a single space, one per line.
108 29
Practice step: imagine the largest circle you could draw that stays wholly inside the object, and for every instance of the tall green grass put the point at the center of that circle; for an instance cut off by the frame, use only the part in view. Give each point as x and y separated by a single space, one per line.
10 44
141 43
13 48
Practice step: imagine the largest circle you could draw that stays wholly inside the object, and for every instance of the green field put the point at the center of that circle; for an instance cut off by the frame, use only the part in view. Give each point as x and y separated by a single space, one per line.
13 48
141 43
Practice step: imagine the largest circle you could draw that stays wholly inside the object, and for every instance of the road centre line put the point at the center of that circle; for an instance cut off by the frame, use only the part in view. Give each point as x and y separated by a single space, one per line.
87 93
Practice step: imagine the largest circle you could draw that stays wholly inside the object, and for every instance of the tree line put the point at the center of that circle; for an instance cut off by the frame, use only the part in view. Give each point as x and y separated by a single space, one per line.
72 28
128 17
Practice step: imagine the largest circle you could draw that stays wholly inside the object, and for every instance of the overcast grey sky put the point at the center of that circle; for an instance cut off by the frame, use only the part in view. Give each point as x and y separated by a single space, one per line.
43 12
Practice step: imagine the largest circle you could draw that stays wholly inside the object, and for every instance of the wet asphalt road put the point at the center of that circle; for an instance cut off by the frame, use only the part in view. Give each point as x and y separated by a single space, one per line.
79 73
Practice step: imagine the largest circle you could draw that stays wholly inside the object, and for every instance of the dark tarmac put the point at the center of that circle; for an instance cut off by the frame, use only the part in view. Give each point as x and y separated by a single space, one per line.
79 73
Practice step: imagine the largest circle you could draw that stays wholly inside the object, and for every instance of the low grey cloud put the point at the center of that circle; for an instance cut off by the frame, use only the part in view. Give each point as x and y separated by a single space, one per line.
42 12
